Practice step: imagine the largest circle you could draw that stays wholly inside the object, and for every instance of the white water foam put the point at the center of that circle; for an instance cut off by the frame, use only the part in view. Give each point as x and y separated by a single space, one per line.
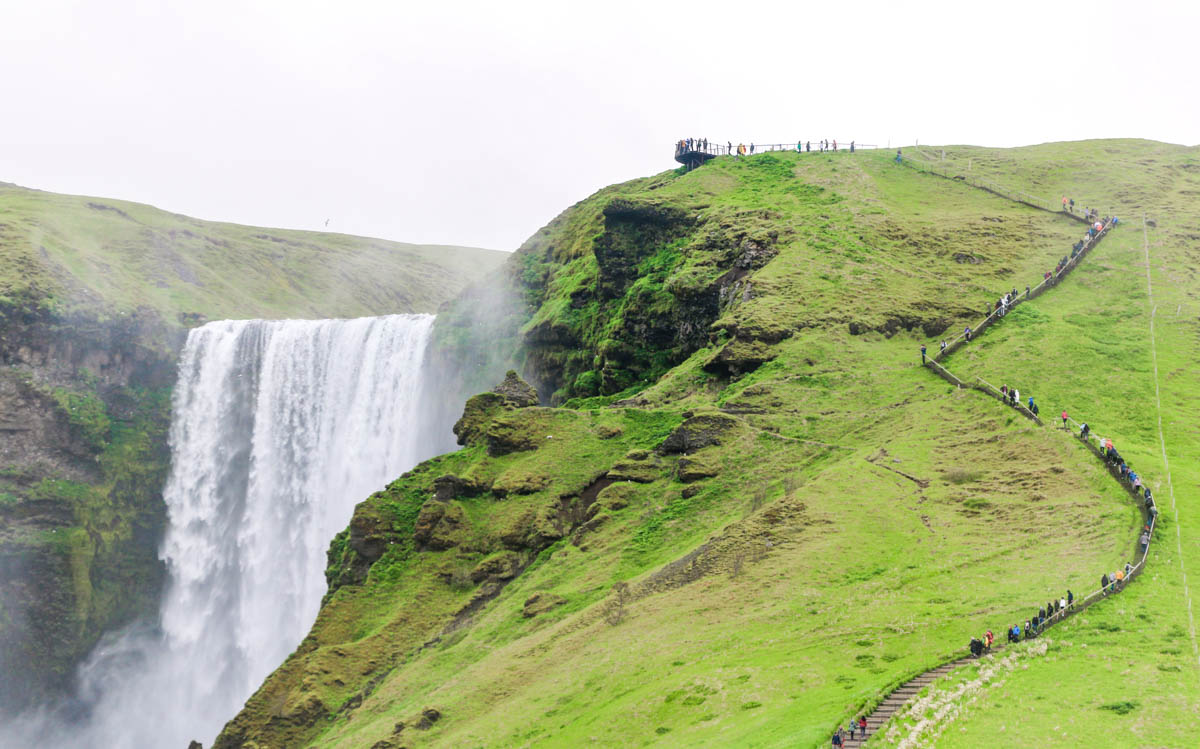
279 428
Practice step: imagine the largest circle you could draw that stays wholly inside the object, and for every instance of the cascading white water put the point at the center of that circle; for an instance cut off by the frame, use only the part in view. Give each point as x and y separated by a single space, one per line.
279 428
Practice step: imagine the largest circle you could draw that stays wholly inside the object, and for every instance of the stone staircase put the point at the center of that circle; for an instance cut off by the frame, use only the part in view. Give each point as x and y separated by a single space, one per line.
900 697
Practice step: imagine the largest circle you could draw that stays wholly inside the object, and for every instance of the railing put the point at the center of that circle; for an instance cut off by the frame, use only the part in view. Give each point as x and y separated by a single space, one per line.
716 149
1089 242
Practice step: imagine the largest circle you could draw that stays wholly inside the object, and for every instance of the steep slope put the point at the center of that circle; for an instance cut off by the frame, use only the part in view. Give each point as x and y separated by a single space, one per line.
95 299
808 519
1114 347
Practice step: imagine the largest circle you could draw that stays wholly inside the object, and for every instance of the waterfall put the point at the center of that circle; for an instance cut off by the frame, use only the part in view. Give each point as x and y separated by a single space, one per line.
278 429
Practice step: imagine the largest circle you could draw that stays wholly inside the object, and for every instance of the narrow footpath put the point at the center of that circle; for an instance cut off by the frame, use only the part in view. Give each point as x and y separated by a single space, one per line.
895 701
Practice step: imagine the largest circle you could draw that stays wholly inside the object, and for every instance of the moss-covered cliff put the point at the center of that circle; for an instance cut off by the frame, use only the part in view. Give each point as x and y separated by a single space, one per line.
95 300
745 511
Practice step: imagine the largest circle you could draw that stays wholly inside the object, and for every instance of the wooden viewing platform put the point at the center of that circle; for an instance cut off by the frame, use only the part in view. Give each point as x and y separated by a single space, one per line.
692 153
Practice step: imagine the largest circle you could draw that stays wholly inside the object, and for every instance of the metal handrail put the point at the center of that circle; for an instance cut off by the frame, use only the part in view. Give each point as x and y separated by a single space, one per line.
1088 243
718 149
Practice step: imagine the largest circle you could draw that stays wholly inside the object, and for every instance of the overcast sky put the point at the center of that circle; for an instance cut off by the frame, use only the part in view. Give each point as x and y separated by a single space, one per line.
476 123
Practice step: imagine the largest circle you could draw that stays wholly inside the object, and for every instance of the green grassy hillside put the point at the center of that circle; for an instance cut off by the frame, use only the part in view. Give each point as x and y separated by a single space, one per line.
1126 673
100 256
798 518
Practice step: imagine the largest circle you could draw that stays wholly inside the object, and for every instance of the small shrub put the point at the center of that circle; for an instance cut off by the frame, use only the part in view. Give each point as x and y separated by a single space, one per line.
1121 708
615 608
751 705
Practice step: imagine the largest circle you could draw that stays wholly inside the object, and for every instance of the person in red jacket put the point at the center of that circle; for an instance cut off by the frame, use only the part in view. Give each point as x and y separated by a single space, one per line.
1065 420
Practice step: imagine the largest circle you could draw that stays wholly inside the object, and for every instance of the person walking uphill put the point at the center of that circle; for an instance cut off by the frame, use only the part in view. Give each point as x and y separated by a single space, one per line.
1064 417
922 354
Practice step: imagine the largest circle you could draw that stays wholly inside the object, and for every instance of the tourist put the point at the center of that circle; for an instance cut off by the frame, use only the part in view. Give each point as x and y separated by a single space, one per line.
1070 598
988 639
835 144
1062 604
1104 583
751 149
899 157
922 354
976 647
1083 430
808 146
1072 204
967 332
1144 541
851 146
1064 418
851 726
1031 403
1036 410
799 146
943 346
862 726
837 737
1026 291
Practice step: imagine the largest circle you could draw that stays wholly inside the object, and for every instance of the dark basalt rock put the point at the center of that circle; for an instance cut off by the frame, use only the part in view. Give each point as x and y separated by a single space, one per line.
540 603
699 431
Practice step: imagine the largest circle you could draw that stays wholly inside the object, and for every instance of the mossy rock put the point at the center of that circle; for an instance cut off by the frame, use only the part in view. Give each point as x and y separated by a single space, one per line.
534 530
439 525
615 496
518 481
739 357
515 391
503 565
607 432
511 433
478 413
699 431
694 468
638 471
540 603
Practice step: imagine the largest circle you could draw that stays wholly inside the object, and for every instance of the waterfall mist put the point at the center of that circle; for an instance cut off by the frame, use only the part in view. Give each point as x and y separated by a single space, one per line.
278 429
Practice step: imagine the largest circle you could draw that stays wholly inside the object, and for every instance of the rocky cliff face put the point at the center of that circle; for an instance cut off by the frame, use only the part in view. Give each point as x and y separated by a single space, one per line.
84 410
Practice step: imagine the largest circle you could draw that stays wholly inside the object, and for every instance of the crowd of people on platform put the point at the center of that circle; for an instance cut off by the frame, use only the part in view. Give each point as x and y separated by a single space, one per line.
702 145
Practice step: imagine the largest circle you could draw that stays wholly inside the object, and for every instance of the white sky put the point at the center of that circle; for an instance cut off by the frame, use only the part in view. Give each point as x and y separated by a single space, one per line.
475 123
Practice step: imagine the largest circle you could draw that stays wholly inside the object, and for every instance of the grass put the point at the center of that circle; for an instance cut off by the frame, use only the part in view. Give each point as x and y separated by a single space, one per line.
1090 353
865 519
111 257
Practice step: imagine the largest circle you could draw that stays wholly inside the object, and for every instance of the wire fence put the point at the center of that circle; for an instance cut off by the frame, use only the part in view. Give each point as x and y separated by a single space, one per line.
943 169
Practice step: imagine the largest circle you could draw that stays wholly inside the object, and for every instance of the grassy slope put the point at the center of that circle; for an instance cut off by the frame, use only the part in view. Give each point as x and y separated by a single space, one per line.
1086 348
94 254
811 577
